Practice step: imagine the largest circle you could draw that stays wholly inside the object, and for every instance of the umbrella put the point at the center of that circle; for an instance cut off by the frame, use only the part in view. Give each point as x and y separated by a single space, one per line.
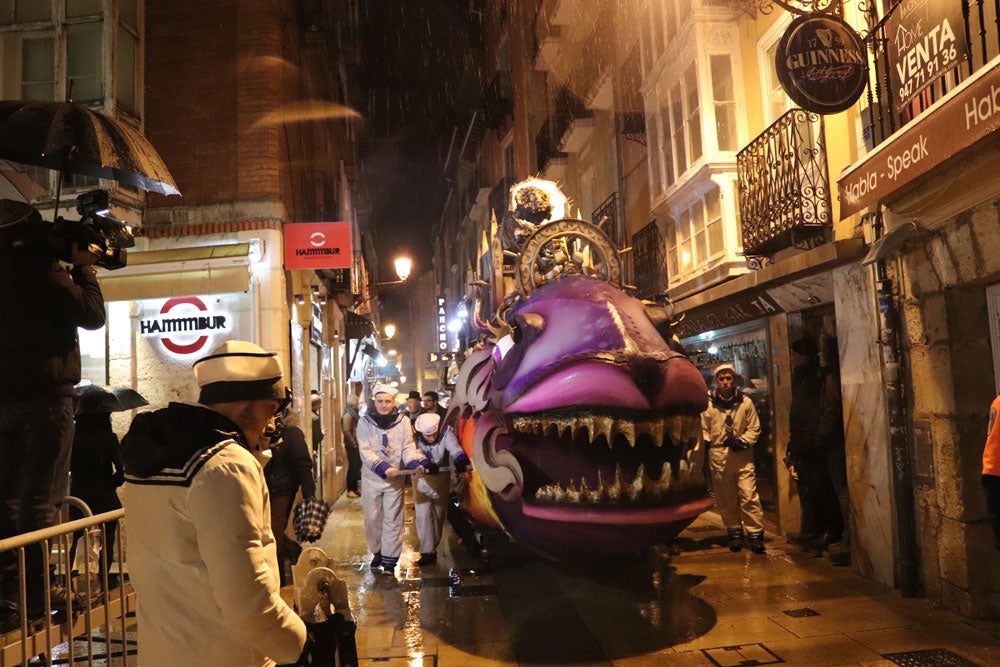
74 139
96 398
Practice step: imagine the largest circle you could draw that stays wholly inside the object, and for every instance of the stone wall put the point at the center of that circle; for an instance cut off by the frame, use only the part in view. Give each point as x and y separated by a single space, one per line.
946 340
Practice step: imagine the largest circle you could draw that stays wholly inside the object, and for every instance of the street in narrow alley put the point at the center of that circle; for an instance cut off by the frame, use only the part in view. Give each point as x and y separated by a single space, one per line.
705 606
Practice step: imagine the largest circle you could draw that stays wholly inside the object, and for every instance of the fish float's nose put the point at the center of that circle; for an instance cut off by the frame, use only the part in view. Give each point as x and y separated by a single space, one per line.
648 376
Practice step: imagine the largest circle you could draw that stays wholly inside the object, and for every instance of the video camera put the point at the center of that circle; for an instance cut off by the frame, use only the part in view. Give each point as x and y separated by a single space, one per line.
96 231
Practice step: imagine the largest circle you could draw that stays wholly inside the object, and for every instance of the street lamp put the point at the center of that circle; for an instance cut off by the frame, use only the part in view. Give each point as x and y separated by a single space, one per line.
390 331
403 267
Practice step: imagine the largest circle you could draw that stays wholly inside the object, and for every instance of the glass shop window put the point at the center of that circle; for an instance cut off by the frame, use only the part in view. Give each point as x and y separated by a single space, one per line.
747 348
93 356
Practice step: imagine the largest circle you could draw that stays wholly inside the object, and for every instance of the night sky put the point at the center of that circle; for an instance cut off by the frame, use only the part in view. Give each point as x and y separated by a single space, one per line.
421 66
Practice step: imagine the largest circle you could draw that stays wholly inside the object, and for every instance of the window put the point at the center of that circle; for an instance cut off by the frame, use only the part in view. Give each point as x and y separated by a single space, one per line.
24 11
648 55
776 101
693 120
83 62
126 52
697 236
655 154
37 56
724 100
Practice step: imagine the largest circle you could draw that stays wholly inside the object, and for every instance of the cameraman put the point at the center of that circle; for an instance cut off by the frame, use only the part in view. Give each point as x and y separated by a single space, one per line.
46 292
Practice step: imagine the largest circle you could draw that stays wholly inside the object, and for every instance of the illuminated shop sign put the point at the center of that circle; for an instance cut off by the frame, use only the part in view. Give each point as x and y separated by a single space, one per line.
317 245
442 325
184 325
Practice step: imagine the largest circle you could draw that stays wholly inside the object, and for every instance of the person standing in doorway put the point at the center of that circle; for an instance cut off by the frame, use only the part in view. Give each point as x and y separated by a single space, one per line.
730 427
818 527
385 441
349 426
830 443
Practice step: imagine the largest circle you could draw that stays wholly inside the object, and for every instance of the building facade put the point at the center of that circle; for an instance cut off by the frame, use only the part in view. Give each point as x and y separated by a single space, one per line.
762 222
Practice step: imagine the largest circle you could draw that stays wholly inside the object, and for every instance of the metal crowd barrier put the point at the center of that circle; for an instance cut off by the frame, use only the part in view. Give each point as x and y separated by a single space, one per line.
93 627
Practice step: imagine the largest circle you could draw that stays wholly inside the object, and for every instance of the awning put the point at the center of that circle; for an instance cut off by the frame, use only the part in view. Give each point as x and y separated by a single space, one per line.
357 326
158 274
773 289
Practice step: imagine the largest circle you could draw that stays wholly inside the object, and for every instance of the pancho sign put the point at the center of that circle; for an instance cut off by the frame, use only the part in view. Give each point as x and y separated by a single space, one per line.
926 40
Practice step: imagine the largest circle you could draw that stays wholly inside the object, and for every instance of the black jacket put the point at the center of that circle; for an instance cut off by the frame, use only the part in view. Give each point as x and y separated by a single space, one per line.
169 446
43 303
803 415
290 466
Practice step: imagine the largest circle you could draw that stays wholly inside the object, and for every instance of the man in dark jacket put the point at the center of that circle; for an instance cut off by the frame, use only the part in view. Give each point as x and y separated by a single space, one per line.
289 469
816 491
44 299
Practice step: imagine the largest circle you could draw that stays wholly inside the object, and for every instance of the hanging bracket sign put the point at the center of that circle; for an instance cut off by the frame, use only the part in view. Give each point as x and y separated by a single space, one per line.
822 63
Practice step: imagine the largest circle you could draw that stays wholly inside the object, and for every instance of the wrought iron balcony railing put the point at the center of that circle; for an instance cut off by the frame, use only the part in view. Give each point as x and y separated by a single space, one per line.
546 146
784 186
610 216
569 108
498 100
649 260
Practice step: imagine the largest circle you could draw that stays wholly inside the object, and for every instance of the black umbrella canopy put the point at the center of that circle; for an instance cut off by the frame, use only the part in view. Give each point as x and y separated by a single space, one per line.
74 139
93 398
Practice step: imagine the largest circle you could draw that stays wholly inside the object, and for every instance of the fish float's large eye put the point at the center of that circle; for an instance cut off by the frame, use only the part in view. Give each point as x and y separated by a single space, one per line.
525 328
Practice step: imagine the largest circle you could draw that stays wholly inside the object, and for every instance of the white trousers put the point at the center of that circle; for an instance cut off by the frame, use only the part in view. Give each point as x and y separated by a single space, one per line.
735 483
382 504
430 503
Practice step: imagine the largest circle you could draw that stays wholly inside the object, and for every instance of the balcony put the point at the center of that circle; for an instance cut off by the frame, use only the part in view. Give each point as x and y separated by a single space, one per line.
498 101
610 217
551 161
649 262
784 187
573 122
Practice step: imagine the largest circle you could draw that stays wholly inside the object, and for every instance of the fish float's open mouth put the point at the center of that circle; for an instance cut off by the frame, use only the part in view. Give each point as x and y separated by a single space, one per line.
600 468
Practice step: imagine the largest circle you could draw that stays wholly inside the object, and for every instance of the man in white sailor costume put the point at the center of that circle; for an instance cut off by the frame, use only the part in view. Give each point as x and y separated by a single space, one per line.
430 492
385 442
200 549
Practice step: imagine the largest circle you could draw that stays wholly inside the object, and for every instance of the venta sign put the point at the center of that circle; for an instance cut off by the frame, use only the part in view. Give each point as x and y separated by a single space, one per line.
185 325
926 40
821 63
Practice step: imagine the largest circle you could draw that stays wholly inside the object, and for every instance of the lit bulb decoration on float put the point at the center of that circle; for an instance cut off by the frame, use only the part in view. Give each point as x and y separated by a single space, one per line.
581 412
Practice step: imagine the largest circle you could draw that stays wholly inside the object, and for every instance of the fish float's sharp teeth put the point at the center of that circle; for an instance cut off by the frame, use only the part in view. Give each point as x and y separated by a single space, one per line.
675 427
683 469
634 490
586 495
601 493
625 428
584 428
615 488
599 425
692 429
572 493
557 493
656 432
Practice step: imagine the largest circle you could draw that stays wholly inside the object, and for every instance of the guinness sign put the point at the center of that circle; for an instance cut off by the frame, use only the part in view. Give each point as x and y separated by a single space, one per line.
822 63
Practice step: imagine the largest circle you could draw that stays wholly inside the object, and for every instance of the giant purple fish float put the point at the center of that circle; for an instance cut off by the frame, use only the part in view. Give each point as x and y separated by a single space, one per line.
581 413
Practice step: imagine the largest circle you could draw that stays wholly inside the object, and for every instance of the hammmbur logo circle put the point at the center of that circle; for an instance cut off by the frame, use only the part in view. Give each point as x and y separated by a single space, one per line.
184 325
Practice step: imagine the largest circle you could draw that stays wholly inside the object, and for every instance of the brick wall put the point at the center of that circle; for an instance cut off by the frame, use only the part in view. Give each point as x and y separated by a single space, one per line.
212 69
